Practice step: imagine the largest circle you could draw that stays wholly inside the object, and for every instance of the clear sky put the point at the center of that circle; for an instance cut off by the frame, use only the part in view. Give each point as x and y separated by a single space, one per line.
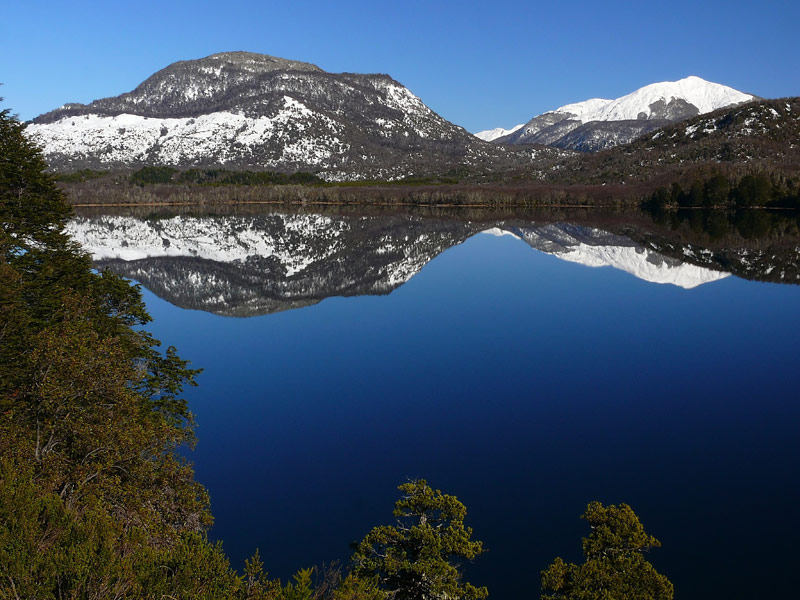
479 64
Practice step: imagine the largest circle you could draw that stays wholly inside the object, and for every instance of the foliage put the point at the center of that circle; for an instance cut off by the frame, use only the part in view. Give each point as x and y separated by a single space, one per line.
79 176
614 566
94 497
718 191
169 175
86 398
51 551
301 587
225 177
358 588
415 559
147 175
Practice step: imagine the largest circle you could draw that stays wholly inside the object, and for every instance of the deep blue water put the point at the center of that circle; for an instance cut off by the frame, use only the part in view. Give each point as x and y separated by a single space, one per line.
527 387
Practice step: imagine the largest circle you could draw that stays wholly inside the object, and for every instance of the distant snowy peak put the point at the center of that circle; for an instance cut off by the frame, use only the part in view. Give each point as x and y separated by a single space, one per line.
600 123
652 100
498 132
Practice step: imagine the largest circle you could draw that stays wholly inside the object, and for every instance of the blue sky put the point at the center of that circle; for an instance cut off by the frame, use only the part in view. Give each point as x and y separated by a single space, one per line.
478 64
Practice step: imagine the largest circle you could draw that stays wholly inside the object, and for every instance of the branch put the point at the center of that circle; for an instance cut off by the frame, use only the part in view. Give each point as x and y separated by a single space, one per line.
13 587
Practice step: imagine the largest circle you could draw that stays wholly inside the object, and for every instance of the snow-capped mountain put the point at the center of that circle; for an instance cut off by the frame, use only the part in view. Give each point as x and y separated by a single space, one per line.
599 123
668 100
245 110
492 134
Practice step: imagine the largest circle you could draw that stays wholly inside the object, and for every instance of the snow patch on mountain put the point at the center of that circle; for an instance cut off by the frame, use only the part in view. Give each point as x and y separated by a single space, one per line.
583 111
402 99
497 232
600 123
223 135
704 95
498 132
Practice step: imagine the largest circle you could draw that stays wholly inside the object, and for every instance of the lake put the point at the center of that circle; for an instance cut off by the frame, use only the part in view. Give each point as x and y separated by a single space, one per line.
527 364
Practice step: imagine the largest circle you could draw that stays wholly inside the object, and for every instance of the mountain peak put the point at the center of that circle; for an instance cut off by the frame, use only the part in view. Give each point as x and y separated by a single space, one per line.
668 100
213 76
694 78
250 61
498 132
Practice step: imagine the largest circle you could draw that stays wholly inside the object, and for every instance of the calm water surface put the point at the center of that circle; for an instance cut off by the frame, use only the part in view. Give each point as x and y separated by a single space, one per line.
522 383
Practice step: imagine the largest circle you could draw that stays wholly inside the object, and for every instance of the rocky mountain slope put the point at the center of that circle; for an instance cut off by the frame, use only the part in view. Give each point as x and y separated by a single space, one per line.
599 123
244 110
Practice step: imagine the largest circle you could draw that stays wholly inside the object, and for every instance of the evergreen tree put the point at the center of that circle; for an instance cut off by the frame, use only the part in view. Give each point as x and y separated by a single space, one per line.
716 191
87 398
416 558
614 566
695 196
753 190
95 501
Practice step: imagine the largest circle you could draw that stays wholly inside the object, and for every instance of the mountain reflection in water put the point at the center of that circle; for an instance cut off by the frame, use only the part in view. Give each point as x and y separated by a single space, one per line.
247 265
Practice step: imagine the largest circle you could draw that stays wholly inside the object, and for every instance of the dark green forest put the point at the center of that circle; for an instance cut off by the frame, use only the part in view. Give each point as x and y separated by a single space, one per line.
718 191
96 499
164 175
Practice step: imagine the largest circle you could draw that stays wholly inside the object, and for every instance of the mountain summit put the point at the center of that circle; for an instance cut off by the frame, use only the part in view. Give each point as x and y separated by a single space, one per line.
599 123
492 134
246 110
190 88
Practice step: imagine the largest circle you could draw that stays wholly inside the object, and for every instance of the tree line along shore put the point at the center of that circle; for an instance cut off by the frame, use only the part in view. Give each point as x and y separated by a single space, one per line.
707 188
